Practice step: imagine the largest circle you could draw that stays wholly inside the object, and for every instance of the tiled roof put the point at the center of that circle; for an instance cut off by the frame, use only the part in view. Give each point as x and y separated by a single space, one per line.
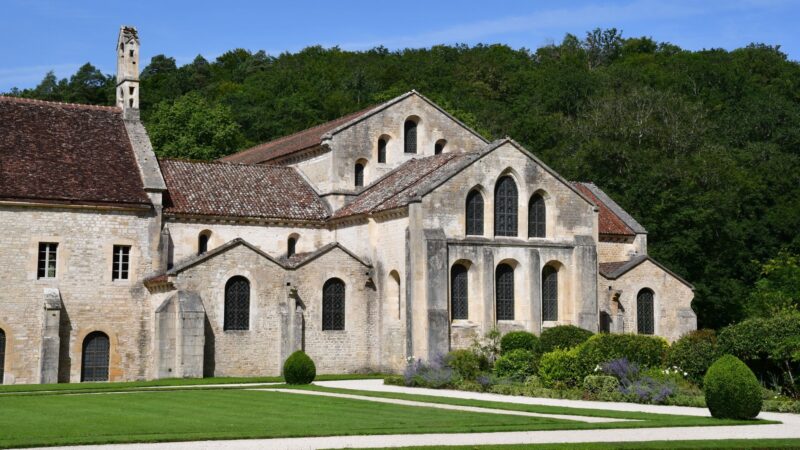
237 190
402 185
613 219
66 153
290 144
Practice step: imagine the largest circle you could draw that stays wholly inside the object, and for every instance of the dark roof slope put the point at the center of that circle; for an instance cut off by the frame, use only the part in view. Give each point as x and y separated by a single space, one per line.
290 144
66 153
614 270
237 190
613 219
405 183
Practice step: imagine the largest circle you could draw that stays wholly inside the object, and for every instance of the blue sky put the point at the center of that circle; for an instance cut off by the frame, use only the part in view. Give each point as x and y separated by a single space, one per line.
41 35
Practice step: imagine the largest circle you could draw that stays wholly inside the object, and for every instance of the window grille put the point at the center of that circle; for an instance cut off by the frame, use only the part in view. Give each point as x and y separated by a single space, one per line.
94 366
410 136
359 175
237 304
645 316
474 213
549 293
333 305
504 288
505 207
537 217
459 296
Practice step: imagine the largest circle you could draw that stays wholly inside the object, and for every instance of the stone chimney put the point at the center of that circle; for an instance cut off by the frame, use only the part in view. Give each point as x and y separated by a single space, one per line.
128 69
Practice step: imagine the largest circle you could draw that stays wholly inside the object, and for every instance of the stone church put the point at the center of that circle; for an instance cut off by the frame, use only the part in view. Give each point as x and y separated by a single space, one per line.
393 232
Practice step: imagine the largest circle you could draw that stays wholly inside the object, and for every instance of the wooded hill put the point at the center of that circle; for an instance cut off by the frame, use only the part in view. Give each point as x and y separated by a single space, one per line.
702 147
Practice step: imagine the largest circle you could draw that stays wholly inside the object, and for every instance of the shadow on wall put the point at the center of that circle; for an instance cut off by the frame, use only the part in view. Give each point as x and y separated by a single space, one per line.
65 361
208 351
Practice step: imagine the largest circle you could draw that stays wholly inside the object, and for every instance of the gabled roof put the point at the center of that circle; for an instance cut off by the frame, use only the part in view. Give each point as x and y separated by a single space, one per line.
312 137
613 220
404 184
65 153
614 270
295 262
237 190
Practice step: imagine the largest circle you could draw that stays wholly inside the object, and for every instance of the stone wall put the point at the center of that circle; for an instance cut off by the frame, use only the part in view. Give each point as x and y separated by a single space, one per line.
91 301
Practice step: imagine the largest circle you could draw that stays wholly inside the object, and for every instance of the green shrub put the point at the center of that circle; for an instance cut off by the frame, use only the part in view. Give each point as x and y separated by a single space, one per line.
644 350
694 353
507 389
519 340
533 382
466 363
600 385
770 347
395 380
562 336
561 368
732 390
517 365
299 369
468 385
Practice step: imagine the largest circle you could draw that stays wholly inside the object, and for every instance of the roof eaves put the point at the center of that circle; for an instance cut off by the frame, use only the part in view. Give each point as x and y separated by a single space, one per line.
635 226
636 261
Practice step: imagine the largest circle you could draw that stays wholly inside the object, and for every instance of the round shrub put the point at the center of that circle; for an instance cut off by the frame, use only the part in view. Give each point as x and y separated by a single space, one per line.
561 368
694 353
299 369
517 364
562 336
732 390
644 350
519 340
466 363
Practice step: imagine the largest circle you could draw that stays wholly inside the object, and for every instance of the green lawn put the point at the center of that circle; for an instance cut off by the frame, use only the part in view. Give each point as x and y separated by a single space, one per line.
78 417
746 444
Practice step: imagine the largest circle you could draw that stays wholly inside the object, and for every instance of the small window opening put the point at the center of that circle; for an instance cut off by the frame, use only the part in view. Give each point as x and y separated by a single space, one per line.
121 262
291 247
439 146
359 174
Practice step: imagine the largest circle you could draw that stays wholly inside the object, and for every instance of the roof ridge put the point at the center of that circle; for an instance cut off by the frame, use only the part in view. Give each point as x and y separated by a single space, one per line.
224 163
34 101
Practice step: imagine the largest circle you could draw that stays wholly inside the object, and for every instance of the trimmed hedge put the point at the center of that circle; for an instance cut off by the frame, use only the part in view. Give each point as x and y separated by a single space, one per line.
299 369
517 364
561 368
519 340
732 390
694 353
644 350
563 336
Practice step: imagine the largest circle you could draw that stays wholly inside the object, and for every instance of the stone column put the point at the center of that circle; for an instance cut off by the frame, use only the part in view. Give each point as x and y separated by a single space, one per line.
51 342
436 275
586 264
487 266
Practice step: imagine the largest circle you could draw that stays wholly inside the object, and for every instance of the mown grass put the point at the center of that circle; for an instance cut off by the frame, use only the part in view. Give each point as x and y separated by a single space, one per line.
178 382
746 444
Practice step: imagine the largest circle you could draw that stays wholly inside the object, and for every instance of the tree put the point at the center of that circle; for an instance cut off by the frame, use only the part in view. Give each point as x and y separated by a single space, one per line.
90 85
778 289
193 128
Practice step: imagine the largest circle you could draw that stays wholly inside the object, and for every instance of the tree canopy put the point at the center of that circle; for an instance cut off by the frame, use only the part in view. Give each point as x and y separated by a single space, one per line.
702 147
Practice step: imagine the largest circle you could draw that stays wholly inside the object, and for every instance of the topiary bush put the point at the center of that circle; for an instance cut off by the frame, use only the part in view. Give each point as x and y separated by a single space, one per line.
644 350
519 340
562 336
694 353
466 363
517 365
732 390
299 369
561 368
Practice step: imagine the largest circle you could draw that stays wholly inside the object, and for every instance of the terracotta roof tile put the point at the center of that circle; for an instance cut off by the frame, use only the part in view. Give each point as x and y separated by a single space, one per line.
610 222
290 144
66 153
238 190
402 185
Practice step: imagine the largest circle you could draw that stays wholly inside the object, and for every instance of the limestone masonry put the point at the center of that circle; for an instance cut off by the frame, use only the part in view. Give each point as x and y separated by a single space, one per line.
390 233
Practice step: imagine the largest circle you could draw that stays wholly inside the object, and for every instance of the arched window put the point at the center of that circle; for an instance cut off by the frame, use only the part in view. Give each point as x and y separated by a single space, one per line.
2 354
459 296
333 305
504 292
549 293
359 174
474 213
381 150
410 136
645 314
291 246
505 207
202 242
94 360
537 223
237 304
439 146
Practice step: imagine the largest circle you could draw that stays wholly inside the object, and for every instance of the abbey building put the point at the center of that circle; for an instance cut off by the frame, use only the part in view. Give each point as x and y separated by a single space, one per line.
390 233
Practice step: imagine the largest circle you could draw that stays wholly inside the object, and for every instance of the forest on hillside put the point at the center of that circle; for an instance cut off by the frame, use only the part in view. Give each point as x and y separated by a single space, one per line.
702 147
